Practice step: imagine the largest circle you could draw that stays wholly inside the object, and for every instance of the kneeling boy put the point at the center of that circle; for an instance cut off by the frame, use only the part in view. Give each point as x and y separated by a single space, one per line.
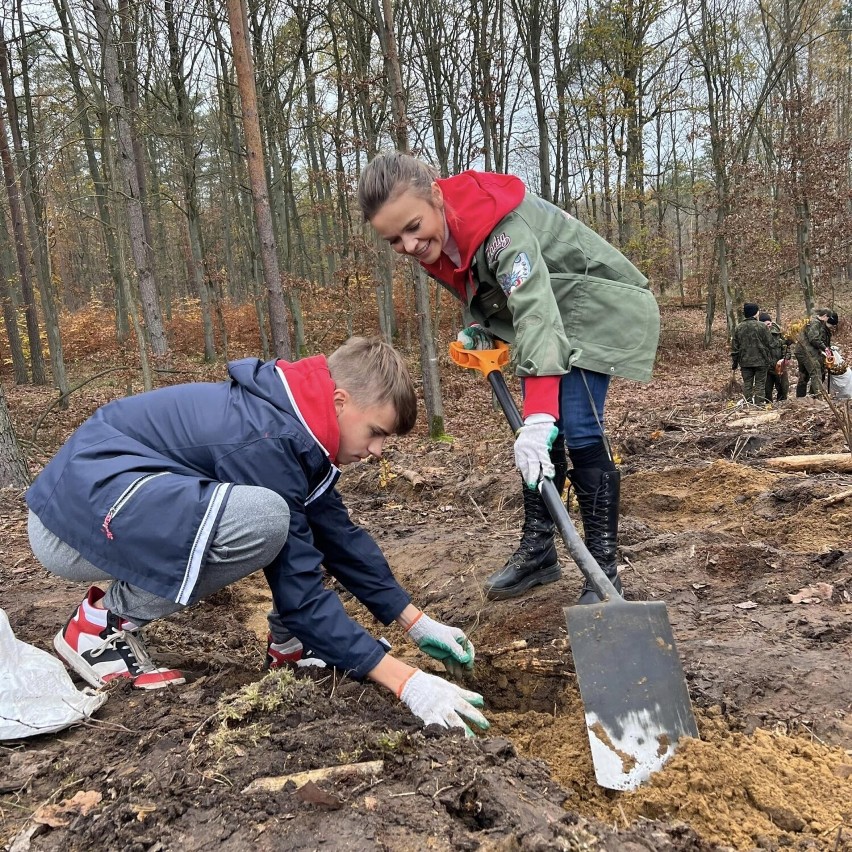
176 493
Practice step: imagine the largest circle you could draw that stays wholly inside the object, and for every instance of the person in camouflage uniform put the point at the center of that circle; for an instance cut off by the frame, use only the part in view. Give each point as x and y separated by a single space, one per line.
777 380
751 351
812 345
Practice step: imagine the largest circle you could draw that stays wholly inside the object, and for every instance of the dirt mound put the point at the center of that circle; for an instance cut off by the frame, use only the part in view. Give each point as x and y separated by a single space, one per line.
762 789
779 510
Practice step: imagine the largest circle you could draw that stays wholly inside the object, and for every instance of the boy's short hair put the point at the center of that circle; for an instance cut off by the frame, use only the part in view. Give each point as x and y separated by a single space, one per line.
374 373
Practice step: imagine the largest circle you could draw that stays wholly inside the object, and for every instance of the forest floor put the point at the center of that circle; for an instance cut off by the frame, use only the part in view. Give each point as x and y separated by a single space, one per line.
752 563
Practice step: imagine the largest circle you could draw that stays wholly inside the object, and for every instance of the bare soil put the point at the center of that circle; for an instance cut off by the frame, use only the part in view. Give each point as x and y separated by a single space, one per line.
752 564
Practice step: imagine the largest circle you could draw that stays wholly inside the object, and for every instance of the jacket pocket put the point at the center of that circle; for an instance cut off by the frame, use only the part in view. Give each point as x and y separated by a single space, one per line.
612 319
125 497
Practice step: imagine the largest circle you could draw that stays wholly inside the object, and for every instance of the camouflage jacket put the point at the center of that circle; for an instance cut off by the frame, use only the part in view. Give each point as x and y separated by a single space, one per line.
813 340
751 345
779 342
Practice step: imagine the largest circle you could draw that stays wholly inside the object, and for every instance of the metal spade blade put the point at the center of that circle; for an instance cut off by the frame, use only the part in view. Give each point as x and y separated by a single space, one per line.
630 677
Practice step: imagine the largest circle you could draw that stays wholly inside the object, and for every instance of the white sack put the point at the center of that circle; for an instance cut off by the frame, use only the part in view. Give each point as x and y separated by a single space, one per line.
840 386
36 692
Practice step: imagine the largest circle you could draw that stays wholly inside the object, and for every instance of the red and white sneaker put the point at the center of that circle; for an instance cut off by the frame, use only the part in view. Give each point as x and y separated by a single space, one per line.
100 653
280 654
294 653
291 652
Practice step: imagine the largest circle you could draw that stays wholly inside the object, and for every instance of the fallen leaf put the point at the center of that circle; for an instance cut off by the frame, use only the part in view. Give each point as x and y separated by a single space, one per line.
816 593
314 795
57 816
746 605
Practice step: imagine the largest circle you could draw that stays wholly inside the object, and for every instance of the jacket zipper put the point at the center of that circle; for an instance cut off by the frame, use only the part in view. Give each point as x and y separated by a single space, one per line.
124 497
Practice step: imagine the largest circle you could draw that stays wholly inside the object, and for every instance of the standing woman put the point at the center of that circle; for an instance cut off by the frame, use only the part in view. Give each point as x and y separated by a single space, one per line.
575 309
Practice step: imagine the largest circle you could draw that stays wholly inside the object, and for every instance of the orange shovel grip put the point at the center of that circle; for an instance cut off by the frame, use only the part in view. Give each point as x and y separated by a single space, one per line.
484 360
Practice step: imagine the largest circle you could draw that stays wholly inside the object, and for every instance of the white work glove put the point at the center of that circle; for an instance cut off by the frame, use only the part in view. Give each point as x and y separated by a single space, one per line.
532 448
442 642
475 337
437 702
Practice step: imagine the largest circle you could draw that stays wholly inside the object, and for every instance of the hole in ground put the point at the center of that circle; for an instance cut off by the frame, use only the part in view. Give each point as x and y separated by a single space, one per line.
731 788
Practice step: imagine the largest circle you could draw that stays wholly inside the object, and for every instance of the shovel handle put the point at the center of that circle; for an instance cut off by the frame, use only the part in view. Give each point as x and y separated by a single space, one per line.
488 362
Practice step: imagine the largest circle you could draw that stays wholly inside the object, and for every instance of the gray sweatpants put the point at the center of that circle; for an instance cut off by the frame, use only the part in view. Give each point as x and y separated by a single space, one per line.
251 533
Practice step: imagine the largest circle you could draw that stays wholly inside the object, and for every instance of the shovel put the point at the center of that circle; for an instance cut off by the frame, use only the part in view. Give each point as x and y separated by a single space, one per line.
630 677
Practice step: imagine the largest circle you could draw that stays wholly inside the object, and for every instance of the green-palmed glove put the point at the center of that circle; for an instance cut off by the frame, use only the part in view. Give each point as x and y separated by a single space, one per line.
442 642
475 337
437 702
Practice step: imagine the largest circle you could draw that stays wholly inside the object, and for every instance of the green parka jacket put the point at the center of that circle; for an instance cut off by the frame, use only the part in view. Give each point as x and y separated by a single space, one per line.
563 295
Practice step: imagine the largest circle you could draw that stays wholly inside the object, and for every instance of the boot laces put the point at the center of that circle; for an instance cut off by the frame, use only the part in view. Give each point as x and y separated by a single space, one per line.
532 542
132 651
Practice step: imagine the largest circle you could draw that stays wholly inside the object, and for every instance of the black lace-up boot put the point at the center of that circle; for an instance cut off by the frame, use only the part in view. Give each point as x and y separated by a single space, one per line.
598 494
534 563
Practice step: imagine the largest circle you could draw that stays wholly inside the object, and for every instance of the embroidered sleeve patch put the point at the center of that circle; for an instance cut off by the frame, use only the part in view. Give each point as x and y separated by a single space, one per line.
493 249
521 270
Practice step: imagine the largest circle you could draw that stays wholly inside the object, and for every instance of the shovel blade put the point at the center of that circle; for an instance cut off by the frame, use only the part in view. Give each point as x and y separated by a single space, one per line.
633 689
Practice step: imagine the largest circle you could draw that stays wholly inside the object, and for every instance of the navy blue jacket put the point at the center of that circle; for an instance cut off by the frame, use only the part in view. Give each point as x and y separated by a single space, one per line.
139 488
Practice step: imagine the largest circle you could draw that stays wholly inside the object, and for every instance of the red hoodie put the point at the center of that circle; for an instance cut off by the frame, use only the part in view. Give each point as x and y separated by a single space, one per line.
312 389
474 202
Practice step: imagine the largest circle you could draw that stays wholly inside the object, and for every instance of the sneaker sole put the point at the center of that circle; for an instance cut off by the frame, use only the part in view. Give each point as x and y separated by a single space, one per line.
153 680
159 680
549 575
75 662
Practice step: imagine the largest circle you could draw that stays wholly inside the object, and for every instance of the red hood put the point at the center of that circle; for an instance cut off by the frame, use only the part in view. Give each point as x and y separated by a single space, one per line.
474 203
312 390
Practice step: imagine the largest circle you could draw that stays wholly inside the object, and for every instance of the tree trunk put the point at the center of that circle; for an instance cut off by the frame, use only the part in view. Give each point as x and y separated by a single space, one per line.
23 256
34 207
13 466
95 172
130 79
138 245
278 318
428 356
199 276
10 318
318 174
129 299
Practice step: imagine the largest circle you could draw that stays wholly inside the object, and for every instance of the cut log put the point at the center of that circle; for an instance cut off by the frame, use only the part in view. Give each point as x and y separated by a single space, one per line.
821 463
757 419
837 498
274 783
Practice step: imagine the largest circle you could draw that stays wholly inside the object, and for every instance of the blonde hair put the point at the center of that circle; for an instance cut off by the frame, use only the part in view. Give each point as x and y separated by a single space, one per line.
374 373
387 176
